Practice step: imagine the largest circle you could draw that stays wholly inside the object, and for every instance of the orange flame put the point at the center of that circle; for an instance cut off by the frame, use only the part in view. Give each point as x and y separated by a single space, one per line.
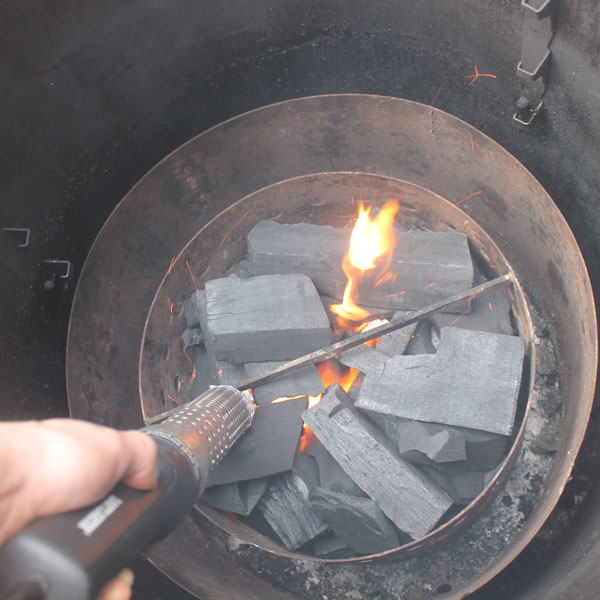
308 438
371 247
330 372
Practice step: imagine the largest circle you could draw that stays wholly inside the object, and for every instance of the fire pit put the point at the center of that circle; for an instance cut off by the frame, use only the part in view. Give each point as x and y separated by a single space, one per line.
216 254
269 164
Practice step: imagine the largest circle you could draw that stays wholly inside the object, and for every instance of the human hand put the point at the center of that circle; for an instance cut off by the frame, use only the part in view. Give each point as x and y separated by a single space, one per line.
59 465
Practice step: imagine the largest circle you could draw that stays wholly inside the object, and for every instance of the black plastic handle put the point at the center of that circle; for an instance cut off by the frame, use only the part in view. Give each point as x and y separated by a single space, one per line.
72 555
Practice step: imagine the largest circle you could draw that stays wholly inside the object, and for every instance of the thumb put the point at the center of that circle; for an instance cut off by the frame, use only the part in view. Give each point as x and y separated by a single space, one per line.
119 588
139 452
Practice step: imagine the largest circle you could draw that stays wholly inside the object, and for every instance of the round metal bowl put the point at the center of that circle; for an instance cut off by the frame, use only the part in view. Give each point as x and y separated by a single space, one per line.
399 141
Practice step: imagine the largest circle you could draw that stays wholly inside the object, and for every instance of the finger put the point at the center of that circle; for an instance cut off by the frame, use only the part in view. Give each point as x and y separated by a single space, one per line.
126 455
92 460
141 450
119 588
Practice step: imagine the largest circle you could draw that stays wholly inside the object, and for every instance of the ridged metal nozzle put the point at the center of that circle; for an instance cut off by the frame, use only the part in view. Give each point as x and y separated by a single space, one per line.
206 428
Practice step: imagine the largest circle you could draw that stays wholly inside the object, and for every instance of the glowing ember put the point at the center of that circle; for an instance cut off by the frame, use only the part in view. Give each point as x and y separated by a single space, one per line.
312 400
286 398
332 372
371 325
371 247
307 438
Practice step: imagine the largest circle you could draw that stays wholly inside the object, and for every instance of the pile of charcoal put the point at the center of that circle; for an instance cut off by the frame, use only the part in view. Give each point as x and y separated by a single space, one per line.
424 425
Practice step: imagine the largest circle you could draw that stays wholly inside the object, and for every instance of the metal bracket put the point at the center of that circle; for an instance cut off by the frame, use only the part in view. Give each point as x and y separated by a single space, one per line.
22 234
55 271
27 265
64 267
21 263
536 71
525 114
540 8
533 68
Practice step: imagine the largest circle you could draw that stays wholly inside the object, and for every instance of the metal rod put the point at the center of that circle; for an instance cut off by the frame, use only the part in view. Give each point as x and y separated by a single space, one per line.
366 336
360 338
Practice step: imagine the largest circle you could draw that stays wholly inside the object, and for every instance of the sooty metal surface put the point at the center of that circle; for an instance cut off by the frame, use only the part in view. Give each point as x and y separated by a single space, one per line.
396 139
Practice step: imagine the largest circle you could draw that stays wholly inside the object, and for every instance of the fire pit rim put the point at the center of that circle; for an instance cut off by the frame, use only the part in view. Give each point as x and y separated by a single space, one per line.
440 534
78 398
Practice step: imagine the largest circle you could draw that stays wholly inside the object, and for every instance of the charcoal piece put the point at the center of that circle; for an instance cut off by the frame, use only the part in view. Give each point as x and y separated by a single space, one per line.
395 342
427 266
192 336
484 449
441 479
305 381
244 270
270 317
331 476
190 313
256 520
490 313
472 381
332 547
239 498
420 341
286 508
306 467
228 374
412 502
354 390
415 439
462 484
221 372
357 521
268 447
468 486
445 446
252 492
466 483
314 250
363 358
225 497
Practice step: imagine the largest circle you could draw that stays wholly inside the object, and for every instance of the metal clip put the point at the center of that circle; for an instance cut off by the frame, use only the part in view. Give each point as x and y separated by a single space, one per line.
15 231
525 114
533 68
66 271
540 9
537 71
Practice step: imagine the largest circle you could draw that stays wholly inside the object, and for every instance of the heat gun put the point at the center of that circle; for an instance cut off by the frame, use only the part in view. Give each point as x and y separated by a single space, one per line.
70 556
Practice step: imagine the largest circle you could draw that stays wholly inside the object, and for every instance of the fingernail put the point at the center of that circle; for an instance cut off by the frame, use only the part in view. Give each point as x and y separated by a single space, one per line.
127 577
